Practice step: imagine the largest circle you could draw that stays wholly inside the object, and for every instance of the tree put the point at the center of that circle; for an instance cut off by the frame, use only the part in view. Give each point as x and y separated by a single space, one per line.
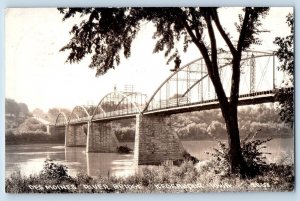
24 109
11 107
31 125
53 113
17 109
106 33
216 129
285 53
66 111
38 112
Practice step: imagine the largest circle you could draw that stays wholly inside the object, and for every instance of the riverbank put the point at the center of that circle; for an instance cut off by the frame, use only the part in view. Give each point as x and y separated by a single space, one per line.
33 138
54 178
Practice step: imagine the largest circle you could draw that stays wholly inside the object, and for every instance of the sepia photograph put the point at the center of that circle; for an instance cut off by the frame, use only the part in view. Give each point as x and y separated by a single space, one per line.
149 100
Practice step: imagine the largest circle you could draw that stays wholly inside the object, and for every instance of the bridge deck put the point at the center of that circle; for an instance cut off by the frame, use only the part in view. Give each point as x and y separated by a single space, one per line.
246 99
212 104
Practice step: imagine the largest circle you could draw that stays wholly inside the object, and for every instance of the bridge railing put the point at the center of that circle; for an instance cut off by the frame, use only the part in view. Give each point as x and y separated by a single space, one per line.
177 103
82 119
122 112
170 103
191 83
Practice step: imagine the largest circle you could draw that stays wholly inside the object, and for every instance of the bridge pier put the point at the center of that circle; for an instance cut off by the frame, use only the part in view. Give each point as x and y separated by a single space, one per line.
155 140
75 135
101 138
57 130
52 130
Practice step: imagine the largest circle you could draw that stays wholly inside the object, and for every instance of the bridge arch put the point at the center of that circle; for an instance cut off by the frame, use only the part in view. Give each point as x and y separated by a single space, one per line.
119 103
79 112
61 119
265 54
195 74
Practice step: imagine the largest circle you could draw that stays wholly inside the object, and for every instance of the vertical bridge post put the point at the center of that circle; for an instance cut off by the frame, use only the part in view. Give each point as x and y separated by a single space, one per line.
252 74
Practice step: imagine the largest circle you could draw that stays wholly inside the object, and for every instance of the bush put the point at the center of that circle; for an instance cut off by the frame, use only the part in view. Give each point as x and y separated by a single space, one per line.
124 149
32 125
53 170
188 157
254 157
252 152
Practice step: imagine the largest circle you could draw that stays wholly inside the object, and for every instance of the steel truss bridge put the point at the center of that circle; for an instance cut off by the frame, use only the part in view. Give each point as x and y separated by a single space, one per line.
187 89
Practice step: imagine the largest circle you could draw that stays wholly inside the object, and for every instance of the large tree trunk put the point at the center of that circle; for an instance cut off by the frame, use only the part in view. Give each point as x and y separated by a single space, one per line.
228 108
236 158
229 113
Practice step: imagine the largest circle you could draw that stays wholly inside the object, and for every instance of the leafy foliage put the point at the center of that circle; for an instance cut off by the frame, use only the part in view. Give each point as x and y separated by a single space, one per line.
285 98
16 109
285 53
53 170
216 128
124 149
107 32
276 177
205 125
254 157
254 23
252 152
52 113
31 125
188 157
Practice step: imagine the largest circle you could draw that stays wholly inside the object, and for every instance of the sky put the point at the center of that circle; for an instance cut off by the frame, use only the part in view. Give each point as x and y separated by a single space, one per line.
37 74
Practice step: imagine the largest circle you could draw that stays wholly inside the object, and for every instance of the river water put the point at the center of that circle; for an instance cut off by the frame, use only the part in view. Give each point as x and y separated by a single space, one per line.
29 159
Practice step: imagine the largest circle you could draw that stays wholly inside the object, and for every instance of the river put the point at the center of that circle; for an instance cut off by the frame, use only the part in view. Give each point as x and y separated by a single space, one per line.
29 159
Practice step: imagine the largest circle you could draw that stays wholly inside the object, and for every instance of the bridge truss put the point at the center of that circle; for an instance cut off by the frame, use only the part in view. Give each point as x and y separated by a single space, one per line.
189 88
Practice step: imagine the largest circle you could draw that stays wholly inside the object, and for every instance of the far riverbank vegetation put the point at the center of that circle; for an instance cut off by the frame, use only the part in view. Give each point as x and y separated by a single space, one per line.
22 128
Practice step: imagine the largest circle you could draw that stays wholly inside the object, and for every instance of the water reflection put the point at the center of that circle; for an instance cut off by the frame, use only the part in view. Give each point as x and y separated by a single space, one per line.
109 164
95 164
29 159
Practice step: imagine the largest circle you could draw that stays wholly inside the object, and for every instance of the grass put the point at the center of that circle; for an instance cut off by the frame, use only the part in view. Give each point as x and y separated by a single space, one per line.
166 178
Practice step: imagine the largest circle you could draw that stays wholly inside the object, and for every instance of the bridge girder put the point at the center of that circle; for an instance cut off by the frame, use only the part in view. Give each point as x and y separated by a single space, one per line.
62 116
117 104
114 101
79 112
194 67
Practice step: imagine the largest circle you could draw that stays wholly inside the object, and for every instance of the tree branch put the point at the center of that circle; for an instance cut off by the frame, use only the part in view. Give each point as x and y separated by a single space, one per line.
213 44
198 43
211 68
236 71
215 77
198 35
223 34
243 30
